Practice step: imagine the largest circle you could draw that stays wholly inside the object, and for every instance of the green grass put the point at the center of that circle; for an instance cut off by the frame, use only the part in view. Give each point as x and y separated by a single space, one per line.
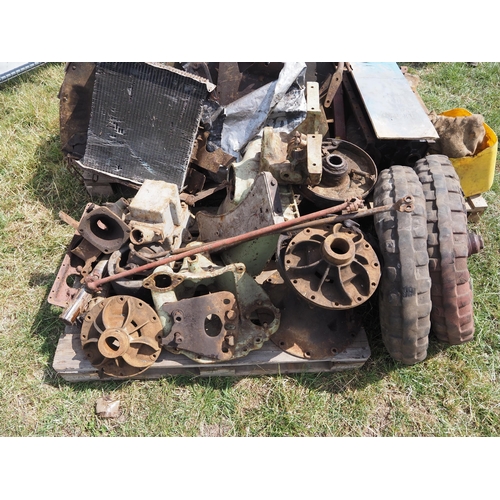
454 392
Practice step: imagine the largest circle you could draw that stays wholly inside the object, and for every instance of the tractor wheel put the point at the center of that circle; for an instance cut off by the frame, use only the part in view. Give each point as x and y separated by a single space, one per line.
405 285
448 246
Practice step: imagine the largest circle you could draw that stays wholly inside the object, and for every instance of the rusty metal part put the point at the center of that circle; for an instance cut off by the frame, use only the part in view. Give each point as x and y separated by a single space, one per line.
315 121
88 253
75 103
121 336
209 160
83 297
331 267
195 181
296 159
476 243
205 325
103 226
260 208
348 171
306 331
250 319
349 206
68 219
192 199
120 261
67 283
335 84
339 119
358 111
406 204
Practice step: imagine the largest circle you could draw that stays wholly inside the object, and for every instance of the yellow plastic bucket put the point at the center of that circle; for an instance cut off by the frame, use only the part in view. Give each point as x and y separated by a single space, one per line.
476 172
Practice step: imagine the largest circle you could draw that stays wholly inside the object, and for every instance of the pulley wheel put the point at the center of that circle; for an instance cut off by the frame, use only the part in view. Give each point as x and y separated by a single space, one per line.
347 172
121 336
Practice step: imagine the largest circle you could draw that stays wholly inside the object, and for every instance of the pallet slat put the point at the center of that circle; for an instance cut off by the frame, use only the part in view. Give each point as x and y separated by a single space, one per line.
71 364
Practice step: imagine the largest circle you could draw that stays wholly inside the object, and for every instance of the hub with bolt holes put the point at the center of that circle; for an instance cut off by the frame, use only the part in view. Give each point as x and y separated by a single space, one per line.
331 267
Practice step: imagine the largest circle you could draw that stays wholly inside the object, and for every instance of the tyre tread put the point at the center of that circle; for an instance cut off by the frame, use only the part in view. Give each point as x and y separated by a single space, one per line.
452 316
404 298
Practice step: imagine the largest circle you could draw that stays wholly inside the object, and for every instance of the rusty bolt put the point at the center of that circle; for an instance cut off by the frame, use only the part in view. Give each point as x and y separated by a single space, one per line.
231 315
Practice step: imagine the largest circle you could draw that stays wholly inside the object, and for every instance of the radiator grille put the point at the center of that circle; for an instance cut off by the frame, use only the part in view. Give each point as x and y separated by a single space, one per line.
144 122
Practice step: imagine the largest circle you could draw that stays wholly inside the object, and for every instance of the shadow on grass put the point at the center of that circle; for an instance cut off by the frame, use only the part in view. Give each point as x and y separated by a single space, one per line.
54 185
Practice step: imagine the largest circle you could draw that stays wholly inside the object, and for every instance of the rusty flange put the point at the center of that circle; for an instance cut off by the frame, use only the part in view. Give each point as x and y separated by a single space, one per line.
309 332
121 336
103 226
331 267
207 324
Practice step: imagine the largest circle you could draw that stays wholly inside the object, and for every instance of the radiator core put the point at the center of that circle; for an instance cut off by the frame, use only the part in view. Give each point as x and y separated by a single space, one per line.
144 121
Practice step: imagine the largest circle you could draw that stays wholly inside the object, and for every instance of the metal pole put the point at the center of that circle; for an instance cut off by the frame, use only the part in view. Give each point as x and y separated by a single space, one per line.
405 204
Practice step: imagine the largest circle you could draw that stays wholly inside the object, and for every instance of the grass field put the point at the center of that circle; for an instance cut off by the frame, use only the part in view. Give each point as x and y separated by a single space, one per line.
454 392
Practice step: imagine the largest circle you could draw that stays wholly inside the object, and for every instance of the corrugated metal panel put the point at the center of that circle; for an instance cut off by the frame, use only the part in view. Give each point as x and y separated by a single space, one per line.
144 121
10 70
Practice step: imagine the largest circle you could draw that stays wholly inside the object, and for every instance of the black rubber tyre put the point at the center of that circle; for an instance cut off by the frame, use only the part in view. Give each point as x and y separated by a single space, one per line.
452 316
405 285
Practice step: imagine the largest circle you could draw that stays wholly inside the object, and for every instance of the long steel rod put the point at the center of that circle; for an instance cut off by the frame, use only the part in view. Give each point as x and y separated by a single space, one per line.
315 218
403 205
351 205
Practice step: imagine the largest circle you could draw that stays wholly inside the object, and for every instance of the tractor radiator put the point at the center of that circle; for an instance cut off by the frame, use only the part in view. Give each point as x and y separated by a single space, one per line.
144 121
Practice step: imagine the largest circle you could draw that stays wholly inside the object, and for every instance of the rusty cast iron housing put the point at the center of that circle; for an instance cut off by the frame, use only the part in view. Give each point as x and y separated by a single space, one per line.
209 312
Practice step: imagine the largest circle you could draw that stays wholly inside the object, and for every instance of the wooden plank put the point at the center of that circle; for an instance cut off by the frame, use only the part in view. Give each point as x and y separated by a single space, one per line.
71 364
476 205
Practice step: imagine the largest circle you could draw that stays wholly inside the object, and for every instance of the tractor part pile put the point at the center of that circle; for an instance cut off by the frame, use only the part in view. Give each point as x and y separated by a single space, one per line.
258 241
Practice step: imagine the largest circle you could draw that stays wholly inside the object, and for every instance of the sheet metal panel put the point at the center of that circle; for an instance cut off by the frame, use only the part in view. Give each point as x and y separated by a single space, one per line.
392 107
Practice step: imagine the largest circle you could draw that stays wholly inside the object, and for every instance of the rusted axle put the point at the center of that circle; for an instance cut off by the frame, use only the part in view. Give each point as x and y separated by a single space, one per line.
352 205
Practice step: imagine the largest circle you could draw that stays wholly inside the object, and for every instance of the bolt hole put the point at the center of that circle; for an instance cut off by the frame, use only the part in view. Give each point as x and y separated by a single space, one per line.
213 325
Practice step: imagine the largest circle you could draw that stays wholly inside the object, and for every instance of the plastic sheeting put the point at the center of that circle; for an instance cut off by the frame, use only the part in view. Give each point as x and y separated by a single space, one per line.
280 104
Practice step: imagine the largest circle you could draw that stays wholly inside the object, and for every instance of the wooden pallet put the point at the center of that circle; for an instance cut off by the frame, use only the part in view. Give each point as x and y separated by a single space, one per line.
476 205
71 364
